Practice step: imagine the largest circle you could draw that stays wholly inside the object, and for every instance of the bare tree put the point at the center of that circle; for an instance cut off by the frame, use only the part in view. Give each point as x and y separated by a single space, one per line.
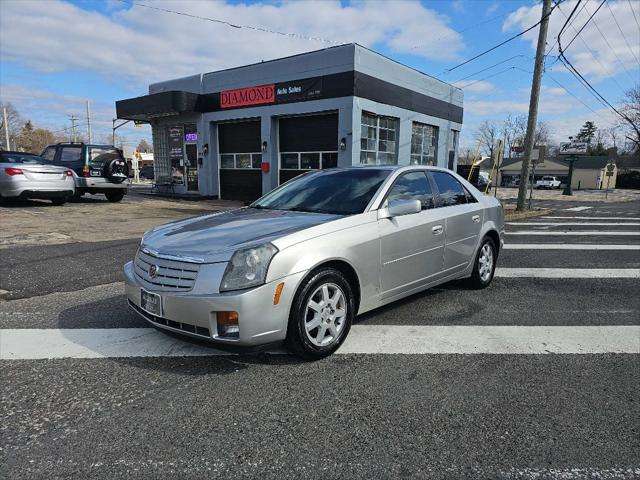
144 147
488 134
542 135
631 109
512 132
14 120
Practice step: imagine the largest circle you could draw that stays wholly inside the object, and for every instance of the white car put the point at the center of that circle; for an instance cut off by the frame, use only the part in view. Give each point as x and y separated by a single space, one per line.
25 175
548 182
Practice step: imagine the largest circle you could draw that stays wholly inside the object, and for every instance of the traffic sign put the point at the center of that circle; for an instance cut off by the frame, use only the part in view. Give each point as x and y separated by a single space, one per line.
610 167
609 173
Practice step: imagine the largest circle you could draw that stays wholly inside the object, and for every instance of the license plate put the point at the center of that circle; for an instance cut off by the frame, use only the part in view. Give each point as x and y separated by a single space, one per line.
151 303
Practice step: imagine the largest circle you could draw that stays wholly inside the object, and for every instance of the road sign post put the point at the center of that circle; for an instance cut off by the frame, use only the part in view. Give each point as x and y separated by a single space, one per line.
610 168
572 150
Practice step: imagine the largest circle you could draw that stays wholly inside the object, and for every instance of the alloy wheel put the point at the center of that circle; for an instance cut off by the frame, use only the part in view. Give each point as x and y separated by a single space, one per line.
325 315
485 262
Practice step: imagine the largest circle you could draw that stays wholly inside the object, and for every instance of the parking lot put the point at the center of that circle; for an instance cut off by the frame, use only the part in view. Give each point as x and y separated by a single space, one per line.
535 377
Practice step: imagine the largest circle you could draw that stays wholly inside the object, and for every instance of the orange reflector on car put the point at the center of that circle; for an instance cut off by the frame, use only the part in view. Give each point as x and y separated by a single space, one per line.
276 296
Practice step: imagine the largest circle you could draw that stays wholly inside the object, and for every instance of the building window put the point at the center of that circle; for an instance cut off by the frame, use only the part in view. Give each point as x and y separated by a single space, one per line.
308 160
161 164
453 148
240 160
424 141
378 140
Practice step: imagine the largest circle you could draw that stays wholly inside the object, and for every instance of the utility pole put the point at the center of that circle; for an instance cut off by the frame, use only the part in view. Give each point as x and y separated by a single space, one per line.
89 122
533 104
5 122
73 119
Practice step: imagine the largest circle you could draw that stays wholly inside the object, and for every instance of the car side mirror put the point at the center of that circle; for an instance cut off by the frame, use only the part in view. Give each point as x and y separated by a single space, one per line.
397 208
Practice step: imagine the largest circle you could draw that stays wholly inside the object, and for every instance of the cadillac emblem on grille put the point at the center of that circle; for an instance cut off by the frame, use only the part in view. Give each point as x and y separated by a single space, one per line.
153 271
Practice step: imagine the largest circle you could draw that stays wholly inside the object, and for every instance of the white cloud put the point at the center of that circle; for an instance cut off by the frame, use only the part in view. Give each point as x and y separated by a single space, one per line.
144 45
475 86
492 8
590 52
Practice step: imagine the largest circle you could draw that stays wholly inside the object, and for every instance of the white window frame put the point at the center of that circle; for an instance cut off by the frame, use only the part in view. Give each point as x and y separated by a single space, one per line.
320 152
434 141
235 161
378 128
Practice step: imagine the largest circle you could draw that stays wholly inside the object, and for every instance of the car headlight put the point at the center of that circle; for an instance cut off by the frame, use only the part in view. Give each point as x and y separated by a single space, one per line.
248 267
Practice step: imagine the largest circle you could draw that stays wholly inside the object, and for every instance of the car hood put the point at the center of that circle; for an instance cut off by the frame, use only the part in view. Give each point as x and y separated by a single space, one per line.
214 238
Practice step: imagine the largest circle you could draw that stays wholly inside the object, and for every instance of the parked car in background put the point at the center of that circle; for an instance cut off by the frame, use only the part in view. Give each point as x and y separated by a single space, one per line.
147 172
97 168
548 182
25 175
301 262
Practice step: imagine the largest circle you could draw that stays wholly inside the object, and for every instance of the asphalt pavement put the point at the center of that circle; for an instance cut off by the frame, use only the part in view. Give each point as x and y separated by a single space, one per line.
370 415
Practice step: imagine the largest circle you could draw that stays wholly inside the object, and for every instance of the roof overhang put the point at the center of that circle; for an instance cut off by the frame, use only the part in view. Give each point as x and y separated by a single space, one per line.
156 105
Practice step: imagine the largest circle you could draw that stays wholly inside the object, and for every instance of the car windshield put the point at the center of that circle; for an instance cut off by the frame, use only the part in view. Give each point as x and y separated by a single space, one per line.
340 192
22 158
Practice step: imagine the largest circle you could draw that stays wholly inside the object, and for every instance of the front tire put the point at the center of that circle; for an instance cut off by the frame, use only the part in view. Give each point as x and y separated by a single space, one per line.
485 265
321 315
114 196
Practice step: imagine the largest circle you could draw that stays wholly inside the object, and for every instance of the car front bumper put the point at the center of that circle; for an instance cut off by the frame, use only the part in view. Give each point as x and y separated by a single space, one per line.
195 314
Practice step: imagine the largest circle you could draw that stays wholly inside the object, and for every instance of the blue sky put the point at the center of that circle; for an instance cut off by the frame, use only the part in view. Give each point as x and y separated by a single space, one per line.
55 54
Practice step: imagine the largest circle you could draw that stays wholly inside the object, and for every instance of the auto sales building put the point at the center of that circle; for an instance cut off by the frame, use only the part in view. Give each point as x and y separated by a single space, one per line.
239 133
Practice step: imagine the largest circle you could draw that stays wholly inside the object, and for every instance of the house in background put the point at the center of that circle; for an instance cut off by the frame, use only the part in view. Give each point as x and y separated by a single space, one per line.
588 172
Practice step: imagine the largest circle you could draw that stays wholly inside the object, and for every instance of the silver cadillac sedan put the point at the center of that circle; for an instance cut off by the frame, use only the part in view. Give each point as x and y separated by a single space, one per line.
300 263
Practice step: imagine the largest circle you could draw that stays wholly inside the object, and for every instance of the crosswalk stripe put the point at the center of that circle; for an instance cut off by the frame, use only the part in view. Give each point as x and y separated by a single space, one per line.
575 232
587 218
36 344
577 209
567 272
560 224
567 246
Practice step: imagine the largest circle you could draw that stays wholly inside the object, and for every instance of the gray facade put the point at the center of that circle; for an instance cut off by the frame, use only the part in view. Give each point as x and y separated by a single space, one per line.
352 80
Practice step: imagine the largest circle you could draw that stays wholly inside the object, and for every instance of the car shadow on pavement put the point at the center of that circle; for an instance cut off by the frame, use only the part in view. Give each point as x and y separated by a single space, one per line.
455 285
114 313
24 203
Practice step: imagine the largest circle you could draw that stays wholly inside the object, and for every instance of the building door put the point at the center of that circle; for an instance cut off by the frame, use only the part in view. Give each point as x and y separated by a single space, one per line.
239 159
308 142
191 162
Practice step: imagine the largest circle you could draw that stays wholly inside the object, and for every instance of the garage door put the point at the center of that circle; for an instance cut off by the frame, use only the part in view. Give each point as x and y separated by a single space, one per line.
239 160
307 143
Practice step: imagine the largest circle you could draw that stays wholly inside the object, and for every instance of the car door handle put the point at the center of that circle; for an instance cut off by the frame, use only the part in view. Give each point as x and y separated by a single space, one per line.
437 230
476 218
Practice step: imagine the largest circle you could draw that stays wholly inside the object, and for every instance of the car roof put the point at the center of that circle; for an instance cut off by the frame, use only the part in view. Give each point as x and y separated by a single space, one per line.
14 152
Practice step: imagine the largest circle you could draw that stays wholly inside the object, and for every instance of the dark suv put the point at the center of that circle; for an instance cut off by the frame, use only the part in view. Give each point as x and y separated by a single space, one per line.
96 168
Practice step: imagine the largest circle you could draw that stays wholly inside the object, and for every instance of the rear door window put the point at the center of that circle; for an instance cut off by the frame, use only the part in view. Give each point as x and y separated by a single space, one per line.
49 153
450 191
412 185
71 154
100 156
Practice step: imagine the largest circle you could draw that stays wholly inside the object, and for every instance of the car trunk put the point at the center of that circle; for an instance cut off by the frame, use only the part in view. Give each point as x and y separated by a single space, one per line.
43 173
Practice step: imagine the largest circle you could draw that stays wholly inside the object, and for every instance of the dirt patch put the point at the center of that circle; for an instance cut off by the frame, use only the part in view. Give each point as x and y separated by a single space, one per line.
511 213
95 219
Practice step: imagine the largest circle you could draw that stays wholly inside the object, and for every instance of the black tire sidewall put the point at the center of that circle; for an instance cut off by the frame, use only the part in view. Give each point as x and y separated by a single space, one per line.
296 334
108 171
477 281
115 196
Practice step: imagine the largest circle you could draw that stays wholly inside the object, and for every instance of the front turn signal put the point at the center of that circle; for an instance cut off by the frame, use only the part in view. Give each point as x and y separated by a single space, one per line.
278 293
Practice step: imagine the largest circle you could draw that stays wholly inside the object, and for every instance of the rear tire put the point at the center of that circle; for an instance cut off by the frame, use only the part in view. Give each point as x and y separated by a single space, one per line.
59 200
321 315
114 196
484 266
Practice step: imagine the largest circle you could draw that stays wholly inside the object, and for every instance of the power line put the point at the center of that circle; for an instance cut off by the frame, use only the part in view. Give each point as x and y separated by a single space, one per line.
577 74
612 49
586 45
513 67
232 25
634 14
546 74
623 35
585 23
501 43
475 25
489 68
556 40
